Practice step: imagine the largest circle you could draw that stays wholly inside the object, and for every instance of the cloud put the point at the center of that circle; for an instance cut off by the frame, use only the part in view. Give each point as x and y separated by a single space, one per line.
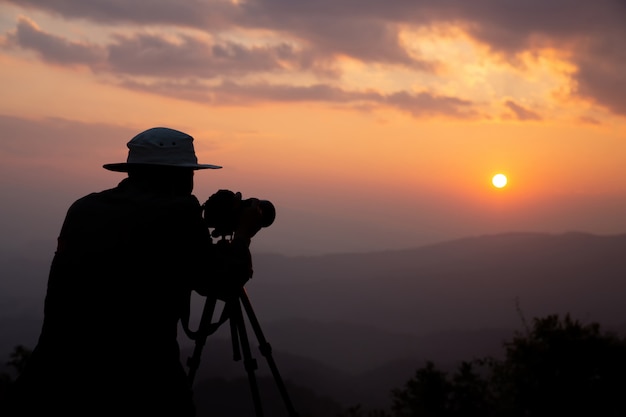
589 33
183 66
189 13
230 93
426 104
153 55
363 36
520 112
601 76
54 49
356 29
311 36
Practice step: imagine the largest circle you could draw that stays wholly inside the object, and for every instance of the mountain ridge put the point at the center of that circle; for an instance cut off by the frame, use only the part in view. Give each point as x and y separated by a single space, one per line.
364 319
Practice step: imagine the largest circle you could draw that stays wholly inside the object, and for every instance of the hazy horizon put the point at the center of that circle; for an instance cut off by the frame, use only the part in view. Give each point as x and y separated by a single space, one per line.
369 125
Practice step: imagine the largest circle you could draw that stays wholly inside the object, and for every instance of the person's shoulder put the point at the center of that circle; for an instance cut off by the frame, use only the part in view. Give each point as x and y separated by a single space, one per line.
96 195
93 199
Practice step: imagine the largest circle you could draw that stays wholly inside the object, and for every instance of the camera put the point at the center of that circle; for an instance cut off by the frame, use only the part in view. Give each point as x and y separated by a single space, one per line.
222 212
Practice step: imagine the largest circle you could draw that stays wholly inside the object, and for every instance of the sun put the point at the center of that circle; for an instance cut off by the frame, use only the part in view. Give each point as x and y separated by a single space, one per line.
499 180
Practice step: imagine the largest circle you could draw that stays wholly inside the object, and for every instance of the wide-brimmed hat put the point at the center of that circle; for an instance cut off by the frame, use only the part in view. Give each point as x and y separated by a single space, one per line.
160 146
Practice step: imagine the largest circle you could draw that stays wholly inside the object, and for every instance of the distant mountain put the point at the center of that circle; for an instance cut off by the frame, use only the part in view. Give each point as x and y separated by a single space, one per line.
473 283
355 325
356 364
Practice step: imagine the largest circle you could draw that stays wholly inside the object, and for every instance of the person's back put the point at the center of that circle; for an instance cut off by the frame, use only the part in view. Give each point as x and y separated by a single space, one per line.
115 293
126 261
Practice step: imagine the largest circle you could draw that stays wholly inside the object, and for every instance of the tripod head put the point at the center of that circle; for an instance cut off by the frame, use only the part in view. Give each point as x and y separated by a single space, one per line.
227 214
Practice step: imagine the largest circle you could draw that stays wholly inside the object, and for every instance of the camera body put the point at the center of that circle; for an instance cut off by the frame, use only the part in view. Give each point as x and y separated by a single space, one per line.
222 211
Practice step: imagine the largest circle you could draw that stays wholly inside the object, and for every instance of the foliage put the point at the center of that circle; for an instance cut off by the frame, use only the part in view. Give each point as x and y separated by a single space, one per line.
562 367
556 367
17 360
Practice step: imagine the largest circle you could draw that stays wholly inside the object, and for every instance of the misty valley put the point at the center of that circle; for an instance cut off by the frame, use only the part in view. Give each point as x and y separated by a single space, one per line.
348 328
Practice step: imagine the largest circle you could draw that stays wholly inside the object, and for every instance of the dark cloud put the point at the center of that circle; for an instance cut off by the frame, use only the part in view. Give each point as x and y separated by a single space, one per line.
333 28
153 55
182 67
288 93
590 33
601 74
426 104
595 31
188 13
230 93
520 112
510 25
54 49
357 34
188 89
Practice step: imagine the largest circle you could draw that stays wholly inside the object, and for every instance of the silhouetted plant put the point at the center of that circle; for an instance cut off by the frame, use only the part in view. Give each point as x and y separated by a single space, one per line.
357 411
469 393
17 361
427 394
18 358
562 367
556 367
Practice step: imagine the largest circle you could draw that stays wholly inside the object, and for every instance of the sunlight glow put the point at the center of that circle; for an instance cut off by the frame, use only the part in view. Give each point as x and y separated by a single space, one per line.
499 180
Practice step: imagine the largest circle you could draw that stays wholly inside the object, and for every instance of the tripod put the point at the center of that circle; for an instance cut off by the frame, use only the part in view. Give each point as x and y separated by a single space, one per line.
235 315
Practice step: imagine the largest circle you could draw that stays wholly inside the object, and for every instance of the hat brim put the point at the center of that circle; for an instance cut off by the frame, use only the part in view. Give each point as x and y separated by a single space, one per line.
124 166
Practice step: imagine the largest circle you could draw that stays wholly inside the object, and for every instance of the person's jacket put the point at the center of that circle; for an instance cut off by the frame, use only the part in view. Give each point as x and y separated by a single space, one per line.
120 280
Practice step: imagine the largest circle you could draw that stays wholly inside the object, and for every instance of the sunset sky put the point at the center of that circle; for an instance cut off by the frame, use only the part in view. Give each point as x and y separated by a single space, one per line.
370 125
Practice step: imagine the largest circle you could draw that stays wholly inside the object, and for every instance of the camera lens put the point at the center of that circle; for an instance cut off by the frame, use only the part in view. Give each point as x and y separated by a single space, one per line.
268 212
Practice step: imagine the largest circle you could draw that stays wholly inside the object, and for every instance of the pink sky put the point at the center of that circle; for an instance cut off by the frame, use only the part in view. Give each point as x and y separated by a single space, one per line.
370 125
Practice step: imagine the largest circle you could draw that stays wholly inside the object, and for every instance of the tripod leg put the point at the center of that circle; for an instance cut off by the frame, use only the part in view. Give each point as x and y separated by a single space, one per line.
200 337
232 305
250 364
266 351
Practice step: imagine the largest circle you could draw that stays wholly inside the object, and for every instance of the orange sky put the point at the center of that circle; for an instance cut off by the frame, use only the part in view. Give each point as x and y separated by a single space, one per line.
368 129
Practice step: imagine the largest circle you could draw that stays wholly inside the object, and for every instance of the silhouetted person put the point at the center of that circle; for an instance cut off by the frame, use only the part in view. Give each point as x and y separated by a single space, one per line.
126 262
